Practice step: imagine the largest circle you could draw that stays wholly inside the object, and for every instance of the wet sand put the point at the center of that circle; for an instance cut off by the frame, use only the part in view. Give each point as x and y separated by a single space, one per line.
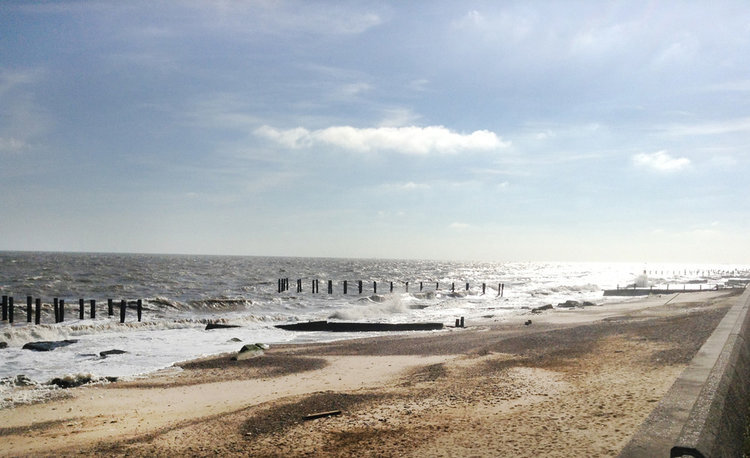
572 383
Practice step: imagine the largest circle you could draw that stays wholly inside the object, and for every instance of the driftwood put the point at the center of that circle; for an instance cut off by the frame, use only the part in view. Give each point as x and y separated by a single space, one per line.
313 416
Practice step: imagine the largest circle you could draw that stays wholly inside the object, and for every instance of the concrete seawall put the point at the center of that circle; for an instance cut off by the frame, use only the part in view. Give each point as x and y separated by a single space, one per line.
704 413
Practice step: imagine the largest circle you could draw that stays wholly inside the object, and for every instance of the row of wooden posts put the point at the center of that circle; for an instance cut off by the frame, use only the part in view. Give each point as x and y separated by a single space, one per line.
283 285
34 309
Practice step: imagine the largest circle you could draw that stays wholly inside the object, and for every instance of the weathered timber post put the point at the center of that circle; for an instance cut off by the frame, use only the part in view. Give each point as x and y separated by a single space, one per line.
62 310
5 308
453 287
29 301
330 286
437 285
467 286
345 287
484 287
10 310
359 286
375 287
123 303
56 304
462 322
502 290
139 304
458 323
391 286
38 311
407 286
420 286
80 309
110 307
317 286
279 285
92 303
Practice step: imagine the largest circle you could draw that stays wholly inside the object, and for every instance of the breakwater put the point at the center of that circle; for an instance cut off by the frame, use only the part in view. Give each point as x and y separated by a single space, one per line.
57 309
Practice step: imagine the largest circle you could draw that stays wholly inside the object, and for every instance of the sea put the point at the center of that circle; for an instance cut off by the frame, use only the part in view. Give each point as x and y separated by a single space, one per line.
181 294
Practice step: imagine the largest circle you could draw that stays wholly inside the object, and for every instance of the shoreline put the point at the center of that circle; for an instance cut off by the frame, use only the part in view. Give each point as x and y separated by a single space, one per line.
584 378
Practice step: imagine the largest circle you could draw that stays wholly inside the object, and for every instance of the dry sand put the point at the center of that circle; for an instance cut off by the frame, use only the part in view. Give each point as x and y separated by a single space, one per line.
573 383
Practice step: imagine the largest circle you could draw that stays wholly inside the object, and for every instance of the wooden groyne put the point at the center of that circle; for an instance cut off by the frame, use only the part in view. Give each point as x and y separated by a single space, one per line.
34 309
283 286
670 289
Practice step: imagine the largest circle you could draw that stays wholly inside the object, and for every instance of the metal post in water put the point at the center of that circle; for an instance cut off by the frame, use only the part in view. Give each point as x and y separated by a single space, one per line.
38 311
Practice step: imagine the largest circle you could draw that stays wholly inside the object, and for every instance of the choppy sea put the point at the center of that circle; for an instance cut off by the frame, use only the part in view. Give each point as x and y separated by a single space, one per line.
182 293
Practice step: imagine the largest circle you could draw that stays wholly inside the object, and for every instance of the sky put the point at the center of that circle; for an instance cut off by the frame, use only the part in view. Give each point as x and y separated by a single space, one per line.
471 130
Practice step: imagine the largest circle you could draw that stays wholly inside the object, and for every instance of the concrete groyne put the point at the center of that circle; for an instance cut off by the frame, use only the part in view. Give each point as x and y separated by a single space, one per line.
704 414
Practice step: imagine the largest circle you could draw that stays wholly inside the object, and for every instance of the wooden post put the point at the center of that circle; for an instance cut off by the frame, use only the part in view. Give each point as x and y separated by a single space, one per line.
359 286
484 287
453 287
420 286
29 300
93 308
391 286
345 287
462 322
502 290
330 286
123 303
458 323
56 303
62 310
80 309
437 285
407 286
5 308
110 307
38 311
279 285
139 309
375 287
10 310
467 286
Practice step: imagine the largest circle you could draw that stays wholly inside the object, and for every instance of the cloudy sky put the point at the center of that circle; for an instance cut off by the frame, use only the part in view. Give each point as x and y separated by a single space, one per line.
506 131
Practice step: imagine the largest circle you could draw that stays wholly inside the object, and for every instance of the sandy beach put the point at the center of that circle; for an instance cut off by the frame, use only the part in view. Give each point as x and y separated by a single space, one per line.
572 383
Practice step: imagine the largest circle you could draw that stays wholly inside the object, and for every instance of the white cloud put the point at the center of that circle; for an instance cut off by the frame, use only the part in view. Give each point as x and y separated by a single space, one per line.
406 140
408 186
11 144
710 128
660 161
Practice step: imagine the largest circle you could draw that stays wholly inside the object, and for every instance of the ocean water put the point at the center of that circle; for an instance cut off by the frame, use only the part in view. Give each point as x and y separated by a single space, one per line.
181 293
